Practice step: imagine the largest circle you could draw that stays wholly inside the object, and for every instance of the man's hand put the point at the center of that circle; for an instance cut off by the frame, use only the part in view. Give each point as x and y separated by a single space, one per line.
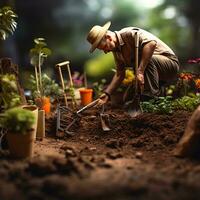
140 78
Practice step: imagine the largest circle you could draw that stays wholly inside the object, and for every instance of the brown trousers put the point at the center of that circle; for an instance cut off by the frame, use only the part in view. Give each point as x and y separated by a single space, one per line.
160 69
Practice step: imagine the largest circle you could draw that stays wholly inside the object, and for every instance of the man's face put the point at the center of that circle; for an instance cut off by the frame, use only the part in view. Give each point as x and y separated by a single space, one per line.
106 44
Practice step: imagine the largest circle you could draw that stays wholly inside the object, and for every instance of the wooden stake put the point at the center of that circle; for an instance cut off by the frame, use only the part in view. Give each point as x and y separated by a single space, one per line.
70 75
63 85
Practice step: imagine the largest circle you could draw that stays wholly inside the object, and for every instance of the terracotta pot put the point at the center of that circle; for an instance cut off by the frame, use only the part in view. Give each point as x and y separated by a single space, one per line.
86 96
21 146
34 109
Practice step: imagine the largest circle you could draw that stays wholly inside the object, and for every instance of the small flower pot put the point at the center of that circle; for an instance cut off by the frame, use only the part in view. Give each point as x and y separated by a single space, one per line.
86 96
44 103
21 145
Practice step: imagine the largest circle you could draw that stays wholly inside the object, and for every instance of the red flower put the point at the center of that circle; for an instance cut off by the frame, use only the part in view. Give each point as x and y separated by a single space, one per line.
192 61
186 76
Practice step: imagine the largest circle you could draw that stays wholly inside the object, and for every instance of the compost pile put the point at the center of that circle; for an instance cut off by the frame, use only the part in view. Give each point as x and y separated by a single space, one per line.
133 160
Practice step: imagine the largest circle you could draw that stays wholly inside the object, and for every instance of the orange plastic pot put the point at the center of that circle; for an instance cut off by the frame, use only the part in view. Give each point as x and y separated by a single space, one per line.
44 104
86 96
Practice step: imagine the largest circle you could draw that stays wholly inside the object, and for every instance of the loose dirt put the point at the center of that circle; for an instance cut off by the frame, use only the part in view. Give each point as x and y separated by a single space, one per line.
132 161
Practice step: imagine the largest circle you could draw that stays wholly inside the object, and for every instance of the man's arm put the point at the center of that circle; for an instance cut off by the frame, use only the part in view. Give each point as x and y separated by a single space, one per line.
115 83
147 53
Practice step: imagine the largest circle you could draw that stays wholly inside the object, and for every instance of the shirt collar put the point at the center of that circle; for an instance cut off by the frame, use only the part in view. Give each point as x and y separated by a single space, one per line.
119 38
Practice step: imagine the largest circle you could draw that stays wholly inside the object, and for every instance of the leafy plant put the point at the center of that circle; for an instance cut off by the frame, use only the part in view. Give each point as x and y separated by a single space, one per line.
17 120
98 87
50 87
37 56
186 103
161 105
7 22
8 91
166 105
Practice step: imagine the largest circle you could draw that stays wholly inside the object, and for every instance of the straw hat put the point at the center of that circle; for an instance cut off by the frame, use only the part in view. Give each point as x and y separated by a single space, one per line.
96 34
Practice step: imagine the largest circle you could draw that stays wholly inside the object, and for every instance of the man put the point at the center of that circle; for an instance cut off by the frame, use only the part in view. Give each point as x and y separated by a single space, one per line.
157 62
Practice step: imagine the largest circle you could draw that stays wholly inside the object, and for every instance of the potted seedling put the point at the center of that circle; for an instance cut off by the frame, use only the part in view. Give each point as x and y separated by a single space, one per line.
20 135
37 56
51 89
10 98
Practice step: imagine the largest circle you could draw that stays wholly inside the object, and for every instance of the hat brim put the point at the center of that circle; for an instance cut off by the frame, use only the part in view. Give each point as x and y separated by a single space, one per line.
100 36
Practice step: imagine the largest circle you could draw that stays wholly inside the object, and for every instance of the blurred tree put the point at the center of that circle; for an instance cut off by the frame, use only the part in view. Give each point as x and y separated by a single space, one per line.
65 24
183 18
100 67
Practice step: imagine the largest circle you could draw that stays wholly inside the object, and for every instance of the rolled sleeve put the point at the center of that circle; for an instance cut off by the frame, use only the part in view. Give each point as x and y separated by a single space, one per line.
146 38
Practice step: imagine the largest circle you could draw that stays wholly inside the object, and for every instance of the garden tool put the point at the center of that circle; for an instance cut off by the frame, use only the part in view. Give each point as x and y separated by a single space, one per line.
134 107
76 117
105 120
62 127
90 105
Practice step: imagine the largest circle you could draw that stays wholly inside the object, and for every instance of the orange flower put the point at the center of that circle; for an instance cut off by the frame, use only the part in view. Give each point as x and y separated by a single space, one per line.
186 76
197 83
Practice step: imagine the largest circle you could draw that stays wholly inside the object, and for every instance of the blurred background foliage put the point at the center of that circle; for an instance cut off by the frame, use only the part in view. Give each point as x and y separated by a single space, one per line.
65 24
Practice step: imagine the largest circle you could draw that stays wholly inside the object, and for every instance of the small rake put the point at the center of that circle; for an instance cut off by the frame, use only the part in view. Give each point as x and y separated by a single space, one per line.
76 118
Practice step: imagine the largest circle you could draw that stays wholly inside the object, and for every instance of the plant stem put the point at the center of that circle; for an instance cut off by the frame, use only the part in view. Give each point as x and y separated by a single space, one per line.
40 74
36 78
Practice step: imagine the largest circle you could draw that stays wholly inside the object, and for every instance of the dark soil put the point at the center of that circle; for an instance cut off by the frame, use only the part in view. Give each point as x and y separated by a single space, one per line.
132 161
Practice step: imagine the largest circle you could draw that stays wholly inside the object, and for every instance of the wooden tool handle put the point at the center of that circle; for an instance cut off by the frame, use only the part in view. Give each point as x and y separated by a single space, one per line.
93 103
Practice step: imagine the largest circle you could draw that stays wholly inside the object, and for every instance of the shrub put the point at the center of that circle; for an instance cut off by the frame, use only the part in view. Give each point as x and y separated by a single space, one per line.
17 120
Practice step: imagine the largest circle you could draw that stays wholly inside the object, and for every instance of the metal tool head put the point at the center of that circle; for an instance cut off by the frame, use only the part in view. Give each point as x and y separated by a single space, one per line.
133 107
105 120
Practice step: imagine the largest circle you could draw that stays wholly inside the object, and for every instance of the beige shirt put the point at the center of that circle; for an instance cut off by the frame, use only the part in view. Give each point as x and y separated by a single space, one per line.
124 56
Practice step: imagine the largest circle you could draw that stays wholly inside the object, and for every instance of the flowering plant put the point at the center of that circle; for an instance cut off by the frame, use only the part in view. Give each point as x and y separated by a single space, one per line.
194 61
186 83
129 77
197 84
77 79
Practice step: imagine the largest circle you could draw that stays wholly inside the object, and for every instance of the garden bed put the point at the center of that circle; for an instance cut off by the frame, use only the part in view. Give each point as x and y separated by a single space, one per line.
134 159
